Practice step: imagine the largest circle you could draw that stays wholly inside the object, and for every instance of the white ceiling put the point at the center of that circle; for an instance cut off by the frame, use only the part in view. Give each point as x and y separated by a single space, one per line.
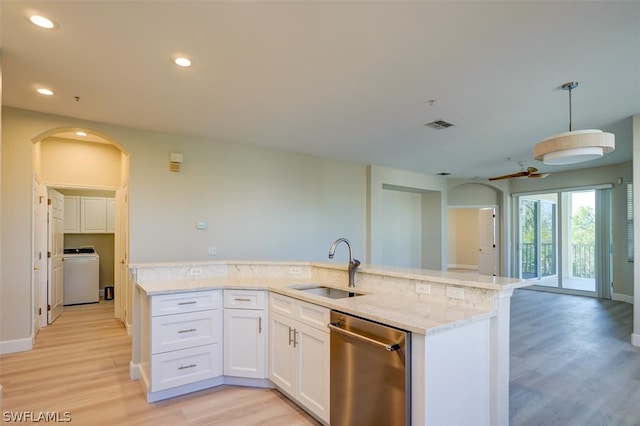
339 79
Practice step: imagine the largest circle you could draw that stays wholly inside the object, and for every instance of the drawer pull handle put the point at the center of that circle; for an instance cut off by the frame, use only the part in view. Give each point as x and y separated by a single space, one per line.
193 302
184 367
290 338
259 325
237 299
190 330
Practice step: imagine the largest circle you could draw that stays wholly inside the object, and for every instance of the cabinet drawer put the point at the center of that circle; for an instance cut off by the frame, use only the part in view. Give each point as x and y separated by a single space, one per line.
181 331
313 315
185 302
244 299
308 313
179 368
282 304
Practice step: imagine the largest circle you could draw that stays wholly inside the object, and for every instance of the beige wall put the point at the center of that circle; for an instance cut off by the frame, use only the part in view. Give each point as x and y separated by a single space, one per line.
66 161
463 237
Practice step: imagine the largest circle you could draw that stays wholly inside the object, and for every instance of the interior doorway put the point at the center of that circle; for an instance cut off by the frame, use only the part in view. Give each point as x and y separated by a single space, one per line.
473 239
84 165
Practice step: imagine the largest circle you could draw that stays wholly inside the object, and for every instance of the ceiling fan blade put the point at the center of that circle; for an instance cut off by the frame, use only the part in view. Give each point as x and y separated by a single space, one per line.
512 175
539 175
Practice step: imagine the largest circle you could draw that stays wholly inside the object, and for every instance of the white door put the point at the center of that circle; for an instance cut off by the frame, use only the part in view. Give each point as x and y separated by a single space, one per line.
244 343
56 252
487 259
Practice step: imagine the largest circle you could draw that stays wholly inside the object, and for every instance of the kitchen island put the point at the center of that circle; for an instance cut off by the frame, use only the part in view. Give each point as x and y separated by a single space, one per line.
459 325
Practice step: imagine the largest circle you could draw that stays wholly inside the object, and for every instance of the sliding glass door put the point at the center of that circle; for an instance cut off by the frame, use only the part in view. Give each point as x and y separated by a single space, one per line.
564 239
538 237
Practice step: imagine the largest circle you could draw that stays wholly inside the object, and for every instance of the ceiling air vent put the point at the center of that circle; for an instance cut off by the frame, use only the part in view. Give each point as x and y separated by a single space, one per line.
439 124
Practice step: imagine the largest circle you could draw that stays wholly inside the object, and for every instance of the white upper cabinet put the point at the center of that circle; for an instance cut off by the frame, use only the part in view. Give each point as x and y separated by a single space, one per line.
89 215
71 214
93 213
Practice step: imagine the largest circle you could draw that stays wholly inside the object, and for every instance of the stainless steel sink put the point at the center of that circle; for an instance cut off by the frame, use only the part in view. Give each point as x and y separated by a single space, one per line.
330 292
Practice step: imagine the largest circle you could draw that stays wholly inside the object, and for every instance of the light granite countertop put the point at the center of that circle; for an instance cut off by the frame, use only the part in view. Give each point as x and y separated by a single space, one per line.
410 313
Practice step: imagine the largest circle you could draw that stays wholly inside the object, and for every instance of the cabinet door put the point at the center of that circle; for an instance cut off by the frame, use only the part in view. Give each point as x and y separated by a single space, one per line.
245 333
281 353
93 212
71 214
111 214
313 351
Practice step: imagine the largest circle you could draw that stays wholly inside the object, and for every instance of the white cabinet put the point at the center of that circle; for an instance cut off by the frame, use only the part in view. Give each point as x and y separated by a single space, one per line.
71 214
186 331
90 215
245 333
299 352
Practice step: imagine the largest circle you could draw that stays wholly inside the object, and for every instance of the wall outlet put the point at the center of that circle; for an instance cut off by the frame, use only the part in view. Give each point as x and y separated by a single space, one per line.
295 270
455 292
212 251
423 288
195 272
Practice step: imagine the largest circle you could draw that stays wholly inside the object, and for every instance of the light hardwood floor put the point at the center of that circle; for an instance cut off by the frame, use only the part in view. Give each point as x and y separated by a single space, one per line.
80 365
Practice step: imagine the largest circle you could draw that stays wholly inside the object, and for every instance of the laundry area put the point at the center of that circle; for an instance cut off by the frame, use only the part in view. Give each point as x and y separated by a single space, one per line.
89 226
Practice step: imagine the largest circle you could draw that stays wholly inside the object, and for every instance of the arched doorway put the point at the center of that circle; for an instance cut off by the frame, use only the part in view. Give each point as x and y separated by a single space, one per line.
476 229
83 164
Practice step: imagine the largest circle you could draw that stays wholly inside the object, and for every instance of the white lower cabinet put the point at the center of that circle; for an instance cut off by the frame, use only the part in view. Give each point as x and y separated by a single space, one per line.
299 353
245 334
186 341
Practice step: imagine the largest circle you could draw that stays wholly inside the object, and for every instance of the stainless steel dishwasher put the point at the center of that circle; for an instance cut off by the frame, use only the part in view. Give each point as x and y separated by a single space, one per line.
370 373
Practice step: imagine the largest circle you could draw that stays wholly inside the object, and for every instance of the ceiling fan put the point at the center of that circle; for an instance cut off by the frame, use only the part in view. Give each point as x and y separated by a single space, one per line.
531 172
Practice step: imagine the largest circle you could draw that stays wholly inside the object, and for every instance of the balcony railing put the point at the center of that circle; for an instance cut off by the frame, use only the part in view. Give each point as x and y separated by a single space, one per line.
582 260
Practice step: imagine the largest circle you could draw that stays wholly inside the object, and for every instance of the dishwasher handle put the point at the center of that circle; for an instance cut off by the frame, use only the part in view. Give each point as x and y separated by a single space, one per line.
391 347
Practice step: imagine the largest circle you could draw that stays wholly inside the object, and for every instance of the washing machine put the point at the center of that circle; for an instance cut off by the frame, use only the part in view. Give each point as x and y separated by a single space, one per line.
81 276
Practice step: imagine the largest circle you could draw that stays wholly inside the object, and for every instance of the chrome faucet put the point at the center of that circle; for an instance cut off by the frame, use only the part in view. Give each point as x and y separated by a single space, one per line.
353 263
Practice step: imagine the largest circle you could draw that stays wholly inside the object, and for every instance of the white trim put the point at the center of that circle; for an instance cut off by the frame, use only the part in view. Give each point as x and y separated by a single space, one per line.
18 345
622 298
565 189
635 339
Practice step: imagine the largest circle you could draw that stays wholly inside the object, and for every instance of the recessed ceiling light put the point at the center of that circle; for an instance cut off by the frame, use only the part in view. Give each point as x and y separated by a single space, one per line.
81 134
42 22
182 61
45 92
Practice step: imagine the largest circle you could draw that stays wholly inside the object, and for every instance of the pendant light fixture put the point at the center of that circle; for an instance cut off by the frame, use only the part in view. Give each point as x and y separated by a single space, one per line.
574 146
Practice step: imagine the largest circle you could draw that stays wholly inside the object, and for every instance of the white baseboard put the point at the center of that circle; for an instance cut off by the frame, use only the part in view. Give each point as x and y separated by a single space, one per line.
622 298
134 371
635 339
18 345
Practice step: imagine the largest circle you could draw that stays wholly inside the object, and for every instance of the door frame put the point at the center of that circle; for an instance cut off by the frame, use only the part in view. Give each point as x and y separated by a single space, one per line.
121 297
